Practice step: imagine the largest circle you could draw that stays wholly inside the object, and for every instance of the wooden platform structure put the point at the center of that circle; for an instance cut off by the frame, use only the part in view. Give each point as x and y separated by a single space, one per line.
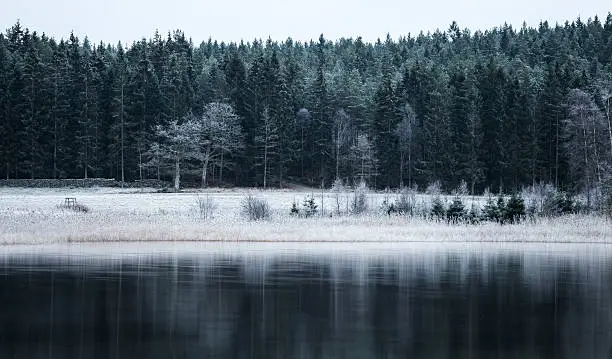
70 201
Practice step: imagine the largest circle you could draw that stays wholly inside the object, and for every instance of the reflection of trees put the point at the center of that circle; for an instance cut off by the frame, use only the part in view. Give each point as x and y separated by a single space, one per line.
470 308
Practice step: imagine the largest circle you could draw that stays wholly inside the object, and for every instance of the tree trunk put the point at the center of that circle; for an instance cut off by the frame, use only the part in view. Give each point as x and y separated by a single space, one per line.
338 156
205 167
54 130
586 164
122 134
32 156
557 153
280 169
265 165
410 164
221 168
609 123
401 184
177 173
140 162
86 128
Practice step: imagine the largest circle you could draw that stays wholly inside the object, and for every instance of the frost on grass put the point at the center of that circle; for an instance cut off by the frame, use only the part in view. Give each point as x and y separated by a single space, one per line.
31 216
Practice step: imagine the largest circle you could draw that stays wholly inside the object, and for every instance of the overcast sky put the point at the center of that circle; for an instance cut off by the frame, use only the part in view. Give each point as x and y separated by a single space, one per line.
228 20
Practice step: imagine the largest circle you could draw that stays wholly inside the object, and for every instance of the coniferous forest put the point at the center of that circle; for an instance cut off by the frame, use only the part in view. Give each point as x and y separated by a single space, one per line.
500 108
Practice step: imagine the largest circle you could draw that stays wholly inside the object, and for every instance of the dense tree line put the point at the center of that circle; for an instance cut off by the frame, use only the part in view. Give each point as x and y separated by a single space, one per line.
501 108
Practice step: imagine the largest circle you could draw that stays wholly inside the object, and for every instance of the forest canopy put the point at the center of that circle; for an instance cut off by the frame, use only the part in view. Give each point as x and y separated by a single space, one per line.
501 108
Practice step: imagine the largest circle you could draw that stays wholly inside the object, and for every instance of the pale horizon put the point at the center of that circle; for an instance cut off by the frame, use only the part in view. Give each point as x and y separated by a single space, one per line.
113 20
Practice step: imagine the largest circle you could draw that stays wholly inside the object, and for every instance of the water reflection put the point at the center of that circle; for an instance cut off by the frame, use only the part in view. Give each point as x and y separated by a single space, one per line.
448 305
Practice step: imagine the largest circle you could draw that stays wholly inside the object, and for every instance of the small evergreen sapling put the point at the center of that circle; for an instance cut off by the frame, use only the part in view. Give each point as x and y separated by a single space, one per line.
490 211
437 209
294 209
456 211
515 209
309 206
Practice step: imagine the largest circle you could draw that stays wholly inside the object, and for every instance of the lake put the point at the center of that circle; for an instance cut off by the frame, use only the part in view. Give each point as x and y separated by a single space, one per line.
262 300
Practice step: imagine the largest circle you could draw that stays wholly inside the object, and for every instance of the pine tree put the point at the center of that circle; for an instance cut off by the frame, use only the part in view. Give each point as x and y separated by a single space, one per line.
5 128
386 119
492 82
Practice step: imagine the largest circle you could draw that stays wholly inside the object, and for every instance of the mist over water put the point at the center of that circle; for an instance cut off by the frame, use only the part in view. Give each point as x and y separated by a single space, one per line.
444 304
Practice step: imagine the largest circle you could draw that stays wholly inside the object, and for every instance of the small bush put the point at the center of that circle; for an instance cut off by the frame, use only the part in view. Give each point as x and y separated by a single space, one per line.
309 206
437 209
359 204
388 207
255 208
406 202
532 210
456 211
337 189
490 212
434 188
557 203
473 216
206 206
294 211
462 189
515 209
501 209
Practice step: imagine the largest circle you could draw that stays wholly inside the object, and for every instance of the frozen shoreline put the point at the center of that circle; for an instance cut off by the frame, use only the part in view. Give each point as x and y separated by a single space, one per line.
31 216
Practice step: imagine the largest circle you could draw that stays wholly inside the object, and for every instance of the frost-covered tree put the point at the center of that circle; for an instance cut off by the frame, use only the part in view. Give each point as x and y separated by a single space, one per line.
363 158
267 141
584 129
218 133
604 88
177 143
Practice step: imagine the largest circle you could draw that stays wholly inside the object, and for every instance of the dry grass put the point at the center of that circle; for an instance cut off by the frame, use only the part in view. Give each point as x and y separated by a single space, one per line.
30 216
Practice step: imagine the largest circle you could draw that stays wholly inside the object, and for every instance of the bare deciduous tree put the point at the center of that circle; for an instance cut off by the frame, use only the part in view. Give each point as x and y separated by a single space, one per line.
268 141
583 131
177 143
218 132
363 158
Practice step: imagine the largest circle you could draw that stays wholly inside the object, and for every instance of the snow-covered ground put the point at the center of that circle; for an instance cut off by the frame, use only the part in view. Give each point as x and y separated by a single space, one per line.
32 216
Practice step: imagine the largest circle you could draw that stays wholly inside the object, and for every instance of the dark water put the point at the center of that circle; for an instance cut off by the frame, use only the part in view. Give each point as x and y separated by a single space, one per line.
444 305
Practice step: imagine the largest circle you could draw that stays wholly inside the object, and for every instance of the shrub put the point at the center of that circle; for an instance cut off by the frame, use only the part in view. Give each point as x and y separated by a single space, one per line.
532 210
309 206
515 209
456 211
490 212
359 204
473 216
406 202
294 211
462 189
206 206
387 207
437 209
337 188
557 203
434 188
501 209
255 208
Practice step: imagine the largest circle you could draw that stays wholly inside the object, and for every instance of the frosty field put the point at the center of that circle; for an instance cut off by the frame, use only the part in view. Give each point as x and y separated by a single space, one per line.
32 216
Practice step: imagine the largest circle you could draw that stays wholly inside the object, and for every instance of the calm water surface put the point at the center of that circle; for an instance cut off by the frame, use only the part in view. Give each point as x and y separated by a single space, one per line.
448 302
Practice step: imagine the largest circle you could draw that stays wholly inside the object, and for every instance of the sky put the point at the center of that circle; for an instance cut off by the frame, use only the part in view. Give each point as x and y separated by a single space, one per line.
111 21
